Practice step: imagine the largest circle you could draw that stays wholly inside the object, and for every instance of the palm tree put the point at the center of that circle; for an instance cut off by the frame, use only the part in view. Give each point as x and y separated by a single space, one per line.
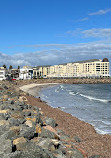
4 66
10 67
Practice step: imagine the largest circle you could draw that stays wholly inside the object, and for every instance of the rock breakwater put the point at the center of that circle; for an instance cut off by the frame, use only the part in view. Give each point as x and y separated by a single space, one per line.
26 133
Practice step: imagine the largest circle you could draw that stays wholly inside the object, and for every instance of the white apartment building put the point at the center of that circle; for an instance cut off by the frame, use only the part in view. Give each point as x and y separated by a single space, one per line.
2 73
94 68
26 73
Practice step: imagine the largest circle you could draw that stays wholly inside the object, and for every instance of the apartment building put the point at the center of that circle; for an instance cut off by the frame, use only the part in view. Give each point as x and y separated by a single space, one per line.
41 71
94 68
26 73
3 73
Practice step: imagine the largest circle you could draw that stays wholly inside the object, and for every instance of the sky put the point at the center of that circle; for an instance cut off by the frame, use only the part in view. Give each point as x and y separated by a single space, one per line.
50 32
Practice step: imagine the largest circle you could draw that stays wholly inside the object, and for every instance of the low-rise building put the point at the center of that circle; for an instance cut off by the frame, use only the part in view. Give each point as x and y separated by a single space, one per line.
41 71
14 73
3 73
26 73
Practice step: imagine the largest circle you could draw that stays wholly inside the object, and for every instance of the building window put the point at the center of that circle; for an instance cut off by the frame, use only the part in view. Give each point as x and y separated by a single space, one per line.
1 73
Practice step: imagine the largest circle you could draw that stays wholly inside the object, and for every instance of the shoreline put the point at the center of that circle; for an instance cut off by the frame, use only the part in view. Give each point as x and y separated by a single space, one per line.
92 142
34 89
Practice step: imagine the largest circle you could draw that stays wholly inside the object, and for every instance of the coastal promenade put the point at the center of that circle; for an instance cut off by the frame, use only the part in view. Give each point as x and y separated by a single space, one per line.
30 128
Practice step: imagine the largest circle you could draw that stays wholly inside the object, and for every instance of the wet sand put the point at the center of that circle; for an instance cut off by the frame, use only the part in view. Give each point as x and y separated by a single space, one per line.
91 143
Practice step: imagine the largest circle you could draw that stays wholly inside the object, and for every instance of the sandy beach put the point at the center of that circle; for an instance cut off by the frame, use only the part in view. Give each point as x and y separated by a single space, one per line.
34 88
91 142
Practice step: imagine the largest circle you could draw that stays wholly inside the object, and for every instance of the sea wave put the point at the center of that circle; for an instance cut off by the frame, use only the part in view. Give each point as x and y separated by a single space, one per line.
56 90
72 93
107 122
105 130
61 86
95 99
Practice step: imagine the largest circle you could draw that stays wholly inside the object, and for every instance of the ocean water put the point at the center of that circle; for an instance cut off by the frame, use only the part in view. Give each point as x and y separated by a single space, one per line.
88 102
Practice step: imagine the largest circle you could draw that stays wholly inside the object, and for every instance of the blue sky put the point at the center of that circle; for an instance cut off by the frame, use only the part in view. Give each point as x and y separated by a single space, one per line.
41 32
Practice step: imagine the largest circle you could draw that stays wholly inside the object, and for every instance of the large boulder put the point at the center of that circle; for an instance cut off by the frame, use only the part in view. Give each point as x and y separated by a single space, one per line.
50 121
27 132
34 151
74 153
49 144
15 129
20 143
4 128
5 146
14 122
49 132
16 154
4 123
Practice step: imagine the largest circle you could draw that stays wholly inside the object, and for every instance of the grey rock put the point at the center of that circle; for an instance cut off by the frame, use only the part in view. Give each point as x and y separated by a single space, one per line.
34 151
12 102
13 107
27 132
38 119
35 108
3 106
60 154
5 146
76 154
64 137
27 113
50 121
5 116
46 143
5 87
29 106
2 117
3 129
95 156
16 154
10 134
14 122
47 134
21 120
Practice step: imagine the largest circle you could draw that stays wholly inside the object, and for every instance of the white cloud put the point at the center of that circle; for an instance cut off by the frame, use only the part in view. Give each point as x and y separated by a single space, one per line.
84 19
98 33
100 12
101 33
56 56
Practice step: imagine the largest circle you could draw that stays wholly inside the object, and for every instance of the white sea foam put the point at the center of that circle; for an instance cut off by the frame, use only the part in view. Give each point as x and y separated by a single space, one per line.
107 122
63 107
93 98
102 131
61 86
56 90
72 93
